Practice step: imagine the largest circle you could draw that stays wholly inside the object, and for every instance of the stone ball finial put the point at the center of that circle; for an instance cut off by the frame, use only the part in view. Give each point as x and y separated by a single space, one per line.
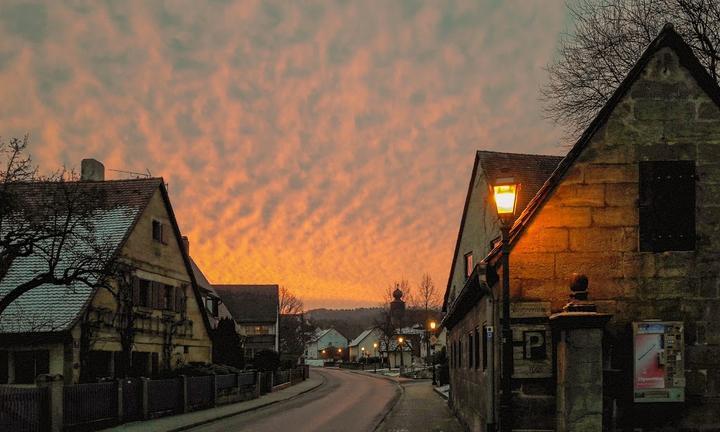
397 294
579 286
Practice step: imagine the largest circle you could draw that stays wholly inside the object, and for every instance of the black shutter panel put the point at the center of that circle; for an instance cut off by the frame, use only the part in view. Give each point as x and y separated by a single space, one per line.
135 291
667 206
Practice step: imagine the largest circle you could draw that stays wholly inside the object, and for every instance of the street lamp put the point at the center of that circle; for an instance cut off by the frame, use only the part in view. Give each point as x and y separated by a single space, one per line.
505 194
402 357
431 358
375 347
362 356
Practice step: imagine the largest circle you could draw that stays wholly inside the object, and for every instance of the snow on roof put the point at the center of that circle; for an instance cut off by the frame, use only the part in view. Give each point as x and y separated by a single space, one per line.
50 308
362 336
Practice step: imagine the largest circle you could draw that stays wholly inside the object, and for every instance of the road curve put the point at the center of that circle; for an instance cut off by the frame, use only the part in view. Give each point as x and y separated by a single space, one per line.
345 402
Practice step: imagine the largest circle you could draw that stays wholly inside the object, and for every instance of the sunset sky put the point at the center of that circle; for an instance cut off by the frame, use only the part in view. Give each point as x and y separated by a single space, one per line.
325 146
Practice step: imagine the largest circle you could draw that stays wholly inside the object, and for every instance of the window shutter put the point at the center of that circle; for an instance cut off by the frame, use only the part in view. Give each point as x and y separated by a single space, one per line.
667 206
169 297
136 291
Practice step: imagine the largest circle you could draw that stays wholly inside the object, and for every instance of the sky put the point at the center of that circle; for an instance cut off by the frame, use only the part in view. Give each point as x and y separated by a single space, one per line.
324 146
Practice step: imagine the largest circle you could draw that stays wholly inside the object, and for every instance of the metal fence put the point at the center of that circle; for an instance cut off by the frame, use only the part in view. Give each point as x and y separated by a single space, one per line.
23 409
200 391
89 403
281 377
225 382
164 395
246 379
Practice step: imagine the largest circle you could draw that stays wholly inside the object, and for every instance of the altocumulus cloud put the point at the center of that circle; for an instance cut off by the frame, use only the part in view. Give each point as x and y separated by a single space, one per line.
322 145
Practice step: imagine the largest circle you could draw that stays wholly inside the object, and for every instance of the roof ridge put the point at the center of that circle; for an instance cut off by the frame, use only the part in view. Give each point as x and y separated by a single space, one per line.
519 154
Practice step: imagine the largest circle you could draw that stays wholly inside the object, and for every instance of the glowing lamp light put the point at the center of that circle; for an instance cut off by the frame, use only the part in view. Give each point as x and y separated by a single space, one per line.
505 194
374 344
323 351
433 324
400 340
339 350
362 349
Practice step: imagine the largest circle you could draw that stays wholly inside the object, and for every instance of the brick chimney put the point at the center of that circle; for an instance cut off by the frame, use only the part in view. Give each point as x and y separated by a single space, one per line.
186 243
92 170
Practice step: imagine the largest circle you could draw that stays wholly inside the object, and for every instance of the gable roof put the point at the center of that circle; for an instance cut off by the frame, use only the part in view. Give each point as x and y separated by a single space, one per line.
530 170
362 336
667 37
250 303
51 308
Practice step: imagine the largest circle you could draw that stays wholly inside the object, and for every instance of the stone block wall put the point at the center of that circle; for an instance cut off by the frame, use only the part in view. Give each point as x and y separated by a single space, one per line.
589 225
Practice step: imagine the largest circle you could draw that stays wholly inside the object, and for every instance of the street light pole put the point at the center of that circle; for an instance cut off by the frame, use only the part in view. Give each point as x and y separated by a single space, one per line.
507 349
505 194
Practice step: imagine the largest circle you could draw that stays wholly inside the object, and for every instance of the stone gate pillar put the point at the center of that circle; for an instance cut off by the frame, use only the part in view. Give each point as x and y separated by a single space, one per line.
579 396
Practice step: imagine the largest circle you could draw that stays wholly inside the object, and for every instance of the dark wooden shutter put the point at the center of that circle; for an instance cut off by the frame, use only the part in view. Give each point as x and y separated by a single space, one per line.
667 206
135 291
169 297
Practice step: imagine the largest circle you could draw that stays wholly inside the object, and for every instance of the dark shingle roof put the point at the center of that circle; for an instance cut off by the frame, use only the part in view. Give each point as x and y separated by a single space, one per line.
530 170
50 308
250 303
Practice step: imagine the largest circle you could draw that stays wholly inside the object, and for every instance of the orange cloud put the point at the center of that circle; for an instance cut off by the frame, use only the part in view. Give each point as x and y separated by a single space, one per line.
325 147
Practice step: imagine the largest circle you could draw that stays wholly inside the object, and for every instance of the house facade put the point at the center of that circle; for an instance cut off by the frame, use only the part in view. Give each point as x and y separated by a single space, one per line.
75 330
366 344
325 339
630 213
256 310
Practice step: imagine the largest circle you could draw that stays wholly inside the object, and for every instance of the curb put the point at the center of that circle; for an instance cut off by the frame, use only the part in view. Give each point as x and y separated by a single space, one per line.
255 408
442 395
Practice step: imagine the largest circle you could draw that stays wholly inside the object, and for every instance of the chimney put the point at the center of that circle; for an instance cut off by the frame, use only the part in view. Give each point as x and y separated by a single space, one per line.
186 243
92 170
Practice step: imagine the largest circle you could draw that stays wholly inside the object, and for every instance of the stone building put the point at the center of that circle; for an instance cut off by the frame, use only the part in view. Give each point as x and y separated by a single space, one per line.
633 207
75 330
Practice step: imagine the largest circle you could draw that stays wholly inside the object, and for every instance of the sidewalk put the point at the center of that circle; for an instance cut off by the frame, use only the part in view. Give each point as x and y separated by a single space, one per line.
420 409
196 418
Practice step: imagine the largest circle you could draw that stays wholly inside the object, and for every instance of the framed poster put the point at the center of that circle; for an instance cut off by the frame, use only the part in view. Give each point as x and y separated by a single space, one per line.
658 356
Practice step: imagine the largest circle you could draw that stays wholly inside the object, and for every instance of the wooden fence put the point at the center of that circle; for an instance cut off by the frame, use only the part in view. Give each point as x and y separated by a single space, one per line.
99 405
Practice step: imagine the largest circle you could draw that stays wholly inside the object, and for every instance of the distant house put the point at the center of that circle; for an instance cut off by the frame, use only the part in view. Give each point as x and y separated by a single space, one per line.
325 339
215 309
366 344
256 310
74 330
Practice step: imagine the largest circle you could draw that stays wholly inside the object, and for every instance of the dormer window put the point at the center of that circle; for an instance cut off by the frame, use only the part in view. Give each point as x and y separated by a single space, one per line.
158 231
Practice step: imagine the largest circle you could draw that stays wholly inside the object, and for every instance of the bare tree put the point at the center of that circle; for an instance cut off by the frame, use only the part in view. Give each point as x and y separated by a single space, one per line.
55 223
608 38
427 295
290 304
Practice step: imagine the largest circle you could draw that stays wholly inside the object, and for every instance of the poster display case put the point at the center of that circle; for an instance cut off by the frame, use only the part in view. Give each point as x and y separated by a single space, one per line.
659 369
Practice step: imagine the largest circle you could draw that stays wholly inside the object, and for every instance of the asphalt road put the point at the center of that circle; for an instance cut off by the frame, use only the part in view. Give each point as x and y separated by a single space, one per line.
345 402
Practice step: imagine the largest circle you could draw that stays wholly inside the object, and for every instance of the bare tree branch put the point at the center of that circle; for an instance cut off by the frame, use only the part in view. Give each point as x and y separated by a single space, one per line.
607 40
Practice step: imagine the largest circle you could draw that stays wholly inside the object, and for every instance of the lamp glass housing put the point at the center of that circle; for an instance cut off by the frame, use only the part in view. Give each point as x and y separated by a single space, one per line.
433 324
505 194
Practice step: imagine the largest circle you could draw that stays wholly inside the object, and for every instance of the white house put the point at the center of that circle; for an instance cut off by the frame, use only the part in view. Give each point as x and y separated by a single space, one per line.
366 343
323 340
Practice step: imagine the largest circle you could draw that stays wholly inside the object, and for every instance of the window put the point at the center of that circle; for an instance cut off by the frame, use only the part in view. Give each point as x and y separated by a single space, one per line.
667 206
468 264
460 359
99 364
30 364
470 351
140 364
485 347
476 353
3 367
158 233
